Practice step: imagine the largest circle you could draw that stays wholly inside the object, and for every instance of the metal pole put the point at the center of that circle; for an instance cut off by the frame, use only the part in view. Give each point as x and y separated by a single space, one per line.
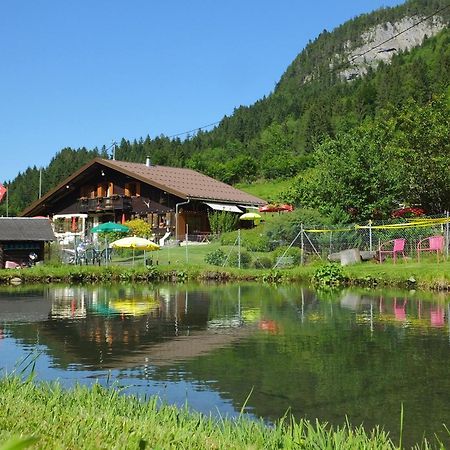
7 201
106 250
186 242
40 182
446 235
239 248
370 235
176 216
302 259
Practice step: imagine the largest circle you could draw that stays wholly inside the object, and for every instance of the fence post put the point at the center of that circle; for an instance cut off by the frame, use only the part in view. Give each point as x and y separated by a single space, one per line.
186 243
446 235
370 235
239 248
302 259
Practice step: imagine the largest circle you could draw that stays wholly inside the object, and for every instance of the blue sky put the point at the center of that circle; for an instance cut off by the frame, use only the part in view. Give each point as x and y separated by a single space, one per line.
88 72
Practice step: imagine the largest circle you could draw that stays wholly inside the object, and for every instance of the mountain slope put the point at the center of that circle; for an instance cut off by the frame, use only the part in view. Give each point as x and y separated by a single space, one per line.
327 89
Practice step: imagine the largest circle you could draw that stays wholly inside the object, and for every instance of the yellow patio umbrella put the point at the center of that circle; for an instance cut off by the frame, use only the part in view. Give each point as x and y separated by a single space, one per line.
136 243
250 216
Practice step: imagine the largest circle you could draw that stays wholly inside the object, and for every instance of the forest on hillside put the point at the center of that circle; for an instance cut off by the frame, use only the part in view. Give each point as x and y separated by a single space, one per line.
354 150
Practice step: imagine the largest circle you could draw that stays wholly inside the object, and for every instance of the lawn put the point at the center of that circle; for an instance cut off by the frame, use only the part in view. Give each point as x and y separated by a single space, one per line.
267 190
47 416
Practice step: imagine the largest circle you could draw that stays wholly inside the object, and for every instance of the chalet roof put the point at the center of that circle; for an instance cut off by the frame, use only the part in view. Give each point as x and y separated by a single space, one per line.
185 183
25 229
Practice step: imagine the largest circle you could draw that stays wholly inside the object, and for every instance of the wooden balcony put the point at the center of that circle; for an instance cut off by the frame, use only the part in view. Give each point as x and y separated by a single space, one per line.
104 204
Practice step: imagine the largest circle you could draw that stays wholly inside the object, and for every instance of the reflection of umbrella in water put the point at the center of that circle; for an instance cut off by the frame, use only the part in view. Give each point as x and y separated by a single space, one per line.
109 227
131 307
136 243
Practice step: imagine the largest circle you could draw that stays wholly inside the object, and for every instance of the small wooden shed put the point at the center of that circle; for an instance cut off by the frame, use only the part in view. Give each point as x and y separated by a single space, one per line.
20 236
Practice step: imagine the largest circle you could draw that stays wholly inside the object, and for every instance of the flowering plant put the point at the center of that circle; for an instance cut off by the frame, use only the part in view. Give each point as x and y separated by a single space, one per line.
412 211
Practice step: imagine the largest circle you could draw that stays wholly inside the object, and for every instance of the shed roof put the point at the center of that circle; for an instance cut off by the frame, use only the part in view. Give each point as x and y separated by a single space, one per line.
25 229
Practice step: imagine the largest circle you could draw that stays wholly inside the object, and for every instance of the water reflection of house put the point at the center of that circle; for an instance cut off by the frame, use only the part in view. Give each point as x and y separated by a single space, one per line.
68 303
18 309
170 199
175 327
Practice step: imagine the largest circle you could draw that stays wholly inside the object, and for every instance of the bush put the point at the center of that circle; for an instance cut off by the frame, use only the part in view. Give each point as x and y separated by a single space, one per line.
263 262
138 227
216 257
228 238
252 240
286 227
222 221
293 252
328 275
256 242
233 259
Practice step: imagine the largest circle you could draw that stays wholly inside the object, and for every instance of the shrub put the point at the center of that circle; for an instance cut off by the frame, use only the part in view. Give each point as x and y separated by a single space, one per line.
286 226
233 259
256 242
253 240
138 227
222 221
293 252
216 257
328 275
228 238
262 262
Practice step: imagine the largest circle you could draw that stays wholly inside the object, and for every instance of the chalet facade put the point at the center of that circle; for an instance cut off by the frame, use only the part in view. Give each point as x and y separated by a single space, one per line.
21 236
173 200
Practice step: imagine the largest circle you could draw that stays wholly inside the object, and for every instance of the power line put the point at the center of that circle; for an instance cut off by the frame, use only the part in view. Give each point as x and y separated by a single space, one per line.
195 129
399 33
350 61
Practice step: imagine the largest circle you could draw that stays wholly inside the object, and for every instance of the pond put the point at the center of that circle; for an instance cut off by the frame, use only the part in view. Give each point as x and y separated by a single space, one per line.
329 355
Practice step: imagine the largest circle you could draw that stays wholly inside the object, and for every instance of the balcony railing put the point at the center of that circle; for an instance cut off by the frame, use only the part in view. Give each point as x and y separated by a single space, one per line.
101 204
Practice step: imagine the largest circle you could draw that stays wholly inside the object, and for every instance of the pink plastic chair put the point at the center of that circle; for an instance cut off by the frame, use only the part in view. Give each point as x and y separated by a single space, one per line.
392 248
430 244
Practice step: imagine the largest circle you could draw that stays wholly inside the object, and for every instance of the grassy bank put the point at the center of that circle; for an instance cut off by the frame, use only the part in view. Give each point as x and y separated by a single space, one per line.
413 275
98 418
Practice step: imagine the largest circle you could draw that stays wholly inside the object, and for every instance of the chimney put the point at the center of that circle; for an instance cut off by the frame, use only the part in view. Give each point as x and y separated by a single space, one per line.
147 161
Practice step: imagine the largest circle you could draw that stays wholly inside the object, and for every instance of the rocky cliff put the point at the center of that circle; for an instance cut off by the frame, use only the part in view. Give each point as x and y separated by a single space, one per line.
383 41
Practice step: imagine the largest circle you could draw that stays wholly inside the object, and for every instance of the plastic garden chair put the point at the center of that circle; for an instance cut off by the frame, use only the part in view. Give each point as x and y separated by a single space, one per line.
392 248
430 244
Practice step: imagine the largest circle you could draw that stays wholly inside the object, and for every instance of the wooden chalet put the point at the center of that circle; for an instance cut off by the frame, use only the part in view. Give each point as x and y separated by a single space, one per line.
21 236
173 200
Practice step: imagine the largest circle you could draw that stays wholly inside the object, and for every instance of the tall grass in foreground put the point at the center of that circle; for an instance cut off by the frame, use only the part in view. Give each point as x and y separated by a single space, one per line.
99 418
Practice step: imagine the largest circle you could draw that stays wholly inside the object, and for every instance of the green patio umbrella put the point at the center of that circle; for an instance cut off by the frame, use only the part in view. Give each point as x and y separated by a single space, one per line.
109 227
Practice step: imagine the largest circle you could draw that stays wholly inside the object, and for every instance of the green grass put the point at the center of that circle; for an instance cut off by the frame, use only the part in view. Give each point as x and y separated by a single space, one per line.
428 274
99 418
267 190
